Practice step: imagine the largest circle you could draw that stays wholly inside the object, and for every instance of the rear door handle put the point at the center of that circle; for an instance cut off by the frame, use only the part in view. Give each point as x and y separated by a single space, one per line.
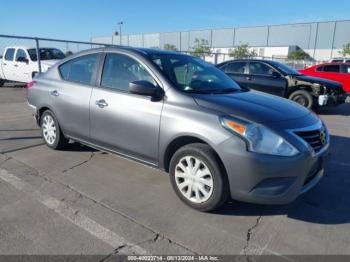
54 93
16 65
101 103
248 77
4 64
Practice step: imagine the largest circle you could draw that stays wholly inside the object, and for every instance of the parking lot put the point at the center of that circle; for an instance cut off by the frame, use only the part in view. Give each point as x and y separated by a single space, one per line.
82 201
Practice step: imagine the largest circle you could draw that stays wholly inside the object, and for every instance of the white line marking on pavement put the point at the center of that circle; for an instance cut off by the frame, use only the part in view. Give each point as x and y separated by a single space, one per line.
70 214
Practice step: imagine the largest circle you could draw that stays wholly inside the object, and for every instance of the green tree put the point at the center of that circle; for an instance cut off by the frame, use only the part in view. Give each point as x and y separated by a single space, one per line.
299 54
242 51
170 47
201 48
346 50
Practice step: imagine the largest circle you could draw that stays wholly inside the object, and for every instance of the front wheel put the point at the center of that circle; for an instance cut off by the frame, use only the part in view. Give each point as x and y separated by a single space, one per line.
51 131
197 177
303 98
2 82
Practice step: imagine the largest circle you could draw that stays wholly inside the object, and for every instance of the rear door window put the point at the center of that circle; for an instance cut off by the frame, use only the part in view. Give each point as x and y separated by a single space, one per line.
9 54
80 70
332 68
257 68
235 67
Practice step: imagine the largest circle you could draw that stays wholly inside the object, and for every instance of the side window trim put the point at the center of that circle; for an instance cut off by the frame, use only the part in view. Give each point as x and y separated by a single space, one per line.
103 61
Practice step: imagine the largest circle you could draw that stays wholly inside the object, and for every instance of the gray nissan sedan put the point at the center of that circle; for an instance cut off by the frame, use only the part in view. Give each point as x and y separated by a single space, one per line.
184 116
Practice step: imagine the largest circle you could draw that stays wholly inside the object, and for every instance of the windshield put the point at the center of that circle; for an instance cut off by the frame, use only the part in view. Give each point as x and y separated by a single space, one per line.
193 75
46 54
285 69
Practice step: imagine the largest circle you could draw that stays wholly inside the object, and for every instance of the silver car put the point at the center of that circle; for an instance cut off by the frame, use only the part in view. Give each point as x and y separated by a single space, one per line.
184 116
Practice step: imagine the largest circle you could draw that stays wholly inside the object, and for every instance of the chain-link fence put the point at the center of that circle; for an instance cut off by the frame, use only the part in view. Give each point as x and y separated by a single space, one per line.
23 57
219 57
26 56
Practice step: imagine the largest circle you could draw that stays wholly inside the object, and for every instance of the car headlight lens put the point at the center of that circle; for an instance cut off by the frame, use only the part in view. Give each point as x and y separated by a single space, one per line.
260 139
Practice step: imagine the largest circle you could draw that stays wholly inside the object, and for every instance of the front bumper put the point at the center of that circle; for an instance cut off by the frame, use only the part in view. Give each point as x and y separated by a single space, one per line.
336 99
268 179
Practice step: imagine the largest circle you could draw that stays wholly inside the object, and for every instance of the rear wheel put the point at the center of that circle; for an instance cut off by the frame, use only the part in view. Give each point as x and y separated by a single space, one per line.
197 177
2 82
51 131
303 98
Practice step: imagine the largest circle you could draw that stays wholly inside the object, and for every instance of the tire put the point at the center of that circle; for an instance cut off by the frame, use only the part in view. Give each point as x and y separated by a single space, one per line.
33 74
303 98
206 196
2 82
51 131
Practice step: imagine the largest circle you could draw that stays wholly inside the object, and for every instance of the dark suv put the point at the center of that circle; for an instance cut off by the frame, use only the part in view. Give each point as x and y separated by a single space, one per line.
281 80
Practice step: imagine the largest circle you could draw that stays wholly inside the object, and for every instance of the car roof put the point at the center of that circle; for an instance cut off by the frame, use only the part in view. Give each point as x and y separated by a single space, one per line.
19 46
247 60
28 47
144 51
333 63
135 50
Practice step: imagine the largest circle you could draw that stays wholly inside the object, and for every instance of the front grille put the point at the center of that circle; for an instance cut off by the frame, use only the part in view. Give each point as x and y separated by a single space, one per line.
317 139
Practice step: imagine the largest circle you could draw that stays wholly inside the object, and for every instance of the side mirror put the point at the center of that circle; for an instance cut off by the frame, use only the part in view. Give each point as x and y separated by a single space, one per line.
22 59
143 88
0 56
275 74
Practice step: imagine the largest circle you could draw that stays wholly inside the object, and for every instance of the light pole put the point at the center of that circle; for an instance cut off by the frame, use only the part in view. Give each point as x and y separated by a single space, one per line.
120 31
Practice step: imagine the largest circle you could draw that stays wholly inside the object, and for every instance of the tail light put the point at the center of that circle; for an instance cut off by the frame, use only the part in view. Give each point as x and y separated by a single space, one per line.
30 84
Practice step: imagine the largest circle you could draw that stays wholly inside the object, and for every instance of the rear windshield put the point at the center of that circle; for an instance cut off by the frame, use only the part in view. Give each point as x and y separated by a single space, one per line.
46 54
284 68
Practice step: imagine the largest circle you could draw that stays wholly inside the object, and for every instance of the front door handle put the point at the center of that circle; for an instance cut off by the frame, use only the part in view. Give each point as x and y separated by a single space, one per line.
248 77
54 93
101 103
16 65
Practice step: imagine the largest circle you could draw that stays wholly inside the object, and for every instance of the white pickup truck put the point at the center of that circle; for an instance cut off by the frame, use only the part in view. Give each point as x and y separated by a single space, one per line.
20 63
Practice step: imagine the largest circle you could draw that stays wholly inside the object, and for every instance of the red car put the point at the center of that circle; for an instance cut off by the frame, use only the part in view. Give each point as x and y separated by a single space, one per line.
339 72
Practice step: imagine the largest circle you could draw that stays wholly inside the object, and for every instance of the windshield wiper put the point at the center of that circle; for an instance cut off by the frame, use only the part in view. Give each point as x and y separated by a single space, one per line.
200 91
212 91
225 90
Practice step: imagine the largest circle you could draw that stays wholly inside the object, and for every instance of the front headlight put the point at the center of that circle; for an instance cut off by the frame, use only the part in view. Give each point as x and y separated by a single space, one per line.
260 139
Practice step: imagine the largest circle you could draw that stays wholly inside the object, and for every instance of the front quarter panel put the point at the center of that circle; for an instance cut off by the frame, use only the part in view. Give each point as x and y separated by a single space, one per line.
182 117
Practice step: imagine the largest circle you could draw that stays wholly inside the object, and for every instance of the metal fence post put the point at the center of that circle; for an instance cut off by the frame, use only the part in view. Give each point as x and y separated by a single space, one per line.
38 54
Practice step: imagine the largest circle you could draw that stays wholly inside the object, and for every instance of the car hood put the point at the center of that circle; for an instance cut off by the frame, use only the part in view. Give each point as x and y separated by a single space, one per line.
317 80
254 106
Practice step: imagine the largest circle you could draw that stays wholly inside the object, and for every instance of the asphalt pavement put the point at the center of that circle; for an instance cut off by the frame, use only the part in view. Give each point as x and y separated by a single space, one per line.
82 201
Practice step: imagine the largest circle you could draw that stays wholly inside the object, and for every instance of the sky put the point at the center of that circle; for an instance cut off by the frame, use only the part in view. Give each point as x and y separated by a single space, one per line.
81 19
